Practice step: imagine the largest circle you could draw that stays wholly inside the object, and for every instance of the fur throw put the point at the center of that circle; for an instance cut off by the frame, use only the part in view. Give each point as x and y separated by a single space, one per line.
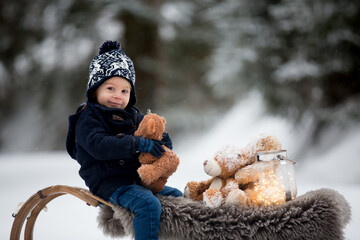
320 214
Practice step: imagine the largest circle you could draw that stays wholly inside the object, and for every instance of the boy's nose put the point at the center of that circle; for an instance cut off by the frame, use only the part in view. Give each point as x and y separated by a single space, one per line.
117 95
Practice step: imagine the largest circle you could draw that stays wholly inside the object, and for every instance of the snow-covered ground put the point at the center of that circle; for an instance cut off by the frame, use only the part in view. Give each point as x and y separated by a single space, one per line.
332 164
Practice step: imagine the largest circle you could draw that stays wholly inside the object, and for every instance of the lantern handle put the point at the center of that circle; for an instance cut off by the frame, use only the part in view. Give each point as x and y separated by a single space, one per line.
281 157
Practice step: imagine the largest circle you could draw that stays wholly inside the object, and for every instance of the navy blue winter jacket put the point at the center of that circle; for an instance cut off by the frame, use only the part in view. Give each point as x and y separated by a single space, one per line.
102 140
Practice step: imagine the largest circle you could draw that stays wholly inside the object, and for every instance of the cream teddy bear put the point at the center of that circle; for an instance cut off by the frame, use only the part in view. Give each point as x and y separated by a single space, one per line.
222 169
233 175
264 142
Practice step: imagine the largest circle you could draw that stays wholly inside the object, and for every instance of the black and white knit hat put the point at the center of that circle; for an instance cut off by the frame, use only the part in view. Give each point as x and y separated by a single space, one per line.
111 61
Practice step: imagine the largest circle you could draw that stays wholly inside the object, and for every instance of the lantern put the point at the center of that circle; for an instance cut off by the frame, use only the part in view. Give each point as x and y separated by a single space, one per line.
274 178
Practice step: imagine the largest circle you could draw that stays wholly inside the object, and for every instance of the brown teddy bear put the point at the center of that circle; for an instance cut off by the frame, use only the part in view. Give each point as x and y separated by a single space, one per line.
154 172
233 174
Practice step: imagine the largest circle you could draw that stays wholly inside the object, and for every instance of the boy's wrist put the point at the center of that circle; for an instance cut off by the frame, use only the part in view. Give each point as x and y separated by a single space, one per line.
137 143
140 144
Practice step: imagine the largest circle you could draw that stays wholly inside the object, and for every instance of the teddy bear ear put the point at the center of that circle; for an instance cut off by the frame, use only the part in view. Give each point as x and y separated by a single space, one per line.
151 126
163 120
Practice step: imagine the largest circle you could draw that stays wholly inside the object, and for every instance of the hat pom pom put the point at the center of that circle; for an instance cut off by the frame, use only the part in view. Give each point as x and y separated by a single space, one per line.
108 46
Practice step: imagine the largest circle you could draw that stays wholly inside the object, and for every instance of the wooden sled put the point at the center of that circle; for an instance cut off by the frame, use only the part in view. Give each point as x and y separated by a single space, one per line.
38 201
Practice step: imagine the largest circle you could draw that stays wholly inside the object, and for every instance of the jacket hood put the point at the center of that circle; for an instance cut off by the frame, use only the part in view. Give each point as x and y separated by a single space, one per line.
70 138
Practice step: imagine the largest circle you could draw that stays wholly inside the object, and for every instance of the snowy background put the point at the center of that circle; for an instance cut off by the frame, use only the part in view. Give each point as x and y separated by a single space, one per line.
218 69
333 163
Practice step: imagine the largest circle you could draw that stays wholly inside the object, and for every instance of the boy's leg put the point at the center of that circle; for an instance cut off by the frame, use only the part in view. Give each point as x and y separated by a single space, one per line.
170 191
145 205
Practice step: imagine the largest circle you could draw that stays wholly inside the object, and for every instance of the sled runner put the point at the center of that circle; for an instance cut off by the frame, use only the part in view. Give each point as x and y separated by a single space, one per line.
33 206
320 214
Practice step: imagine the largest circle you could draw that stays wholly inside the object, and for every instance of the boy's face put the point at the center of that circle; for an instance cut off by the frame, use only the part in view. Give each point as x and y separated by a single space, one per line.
114 93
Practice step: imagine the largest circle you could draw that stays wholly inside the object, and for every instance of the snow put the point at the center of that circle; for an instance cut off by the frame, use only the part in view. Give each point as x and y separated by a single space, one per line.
229 157
334 163
296 70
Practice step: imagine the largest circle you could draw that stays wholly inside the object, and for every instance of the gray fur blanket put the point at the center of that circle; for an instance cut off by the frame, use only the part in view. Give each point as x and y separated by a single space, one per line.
320 214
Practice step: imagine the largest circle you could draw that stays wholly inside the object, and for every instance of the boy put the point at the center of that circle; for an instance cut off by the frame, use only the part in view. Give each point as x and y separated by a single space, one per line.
101 138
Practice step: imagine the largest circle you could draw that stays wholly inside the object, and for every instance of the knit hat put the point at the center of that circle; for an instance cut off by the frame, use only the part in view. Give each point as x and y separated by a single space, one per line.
111 61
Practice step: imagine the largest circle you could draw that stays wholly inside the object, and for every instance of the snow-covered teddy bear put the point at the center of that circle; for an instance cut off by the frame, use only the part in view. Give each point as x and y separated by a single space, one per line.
226 162
154 172
232 174
264 142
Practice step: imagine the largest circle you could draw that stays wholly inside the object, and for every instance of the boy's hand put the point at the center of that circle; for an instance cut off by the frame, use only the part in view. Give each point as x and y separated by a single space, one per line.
149 146
167 140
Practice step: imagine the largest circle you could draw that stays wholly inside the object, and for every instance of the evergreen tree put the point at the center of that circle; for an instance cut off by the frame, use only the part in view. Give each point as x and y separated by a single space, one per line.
302 55
193 59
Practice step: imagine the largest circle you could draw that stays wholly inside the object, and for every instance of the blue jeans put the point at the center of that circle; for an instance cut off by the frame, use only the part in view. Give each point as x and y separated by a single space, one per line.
145 205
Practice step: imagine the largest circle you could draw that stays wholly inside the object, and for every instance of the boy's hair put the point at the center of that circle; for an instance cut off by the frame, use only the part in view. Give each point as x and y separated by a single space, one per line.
111 61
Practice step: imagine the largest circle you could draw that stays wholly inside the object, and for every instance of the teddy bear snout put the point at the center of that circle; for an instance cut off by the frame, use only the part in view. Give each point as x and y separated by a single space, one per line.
212 168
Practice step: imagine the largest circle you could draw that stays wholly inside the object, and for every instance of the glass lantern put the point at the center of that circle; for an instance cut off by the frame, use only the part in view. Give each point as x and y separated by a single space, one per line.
274 178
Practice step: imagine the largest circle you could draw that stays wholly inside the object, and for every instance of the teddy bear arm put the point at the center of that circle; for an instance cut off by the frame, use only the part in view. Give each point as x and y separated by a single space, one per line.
170 161
231 184
217 183
148 173
163 167
246 175
147 158
157 185
166 165
195 189
202 186
191 191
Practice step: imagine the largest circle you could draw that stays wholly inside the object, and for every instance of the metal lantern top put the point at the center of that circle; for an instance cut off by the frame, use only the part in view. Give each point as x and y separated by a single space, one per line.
280 155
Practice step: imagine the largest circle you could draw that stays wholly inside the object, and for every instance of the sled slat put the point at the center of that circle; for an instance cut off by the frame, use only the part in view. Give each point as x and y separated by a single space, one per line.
22 215
29 227
39 200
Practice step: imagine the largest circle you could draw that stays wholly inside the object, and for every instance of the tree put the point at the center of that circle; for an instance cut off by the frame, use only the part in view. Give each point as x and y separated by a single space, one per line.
47 47
302 55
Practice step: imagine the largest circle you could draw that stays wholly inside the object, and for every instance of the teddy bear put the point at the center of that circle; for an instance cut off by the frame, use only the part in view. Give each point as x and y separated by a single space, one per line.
153 171
222 167
233 175
264 142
